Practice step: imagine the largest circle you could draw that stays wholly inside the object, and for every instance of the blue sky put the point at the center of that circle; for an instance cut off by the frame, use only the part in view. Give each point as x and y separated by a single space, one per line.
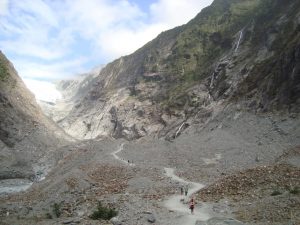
56 39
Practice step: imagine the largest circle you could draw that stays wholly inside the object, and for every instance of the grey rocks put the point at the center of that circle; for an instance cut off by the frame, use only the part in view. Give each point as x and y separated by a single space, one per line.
115 221
72 221
151 218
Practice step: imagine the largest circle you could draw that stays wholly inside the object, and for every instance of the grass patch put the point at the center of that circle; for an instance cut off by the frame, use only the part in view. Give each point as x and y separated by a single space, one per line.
103 213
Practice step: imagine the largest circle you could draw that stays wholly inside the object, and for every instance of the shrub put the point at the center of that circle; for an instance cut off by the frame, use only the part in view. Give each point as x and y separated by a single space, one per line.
276 192
56 210
103 213
294 190
48 216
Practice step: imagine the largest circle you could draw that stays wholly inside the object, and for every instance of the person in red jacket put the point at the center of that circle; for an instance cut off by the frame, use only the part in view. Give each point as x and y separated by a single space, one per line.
192 205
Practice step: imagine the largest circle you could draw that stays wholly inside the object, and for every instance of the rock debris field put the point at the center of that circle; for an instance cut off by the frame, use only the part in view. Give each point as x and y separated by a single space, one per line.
142 179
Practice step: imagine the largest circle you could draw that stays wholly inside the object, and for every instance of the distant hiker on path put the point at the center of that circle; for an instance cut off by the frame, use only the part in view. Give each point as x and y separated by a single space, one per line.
192 205
181 190
186 189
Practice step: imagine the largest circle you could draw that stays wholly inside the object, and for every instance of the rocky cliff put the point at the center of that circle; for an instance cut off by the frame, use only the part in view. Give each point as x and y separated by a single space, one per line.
27 137
242 52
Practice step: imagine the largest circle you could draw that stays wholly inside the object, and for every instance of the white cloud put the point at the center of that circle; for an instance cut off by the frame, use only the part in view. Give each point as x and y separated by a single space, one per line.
38 9
30 27
176 12
27 48
51 71
43 90
164 15
121 28
3 7
115 43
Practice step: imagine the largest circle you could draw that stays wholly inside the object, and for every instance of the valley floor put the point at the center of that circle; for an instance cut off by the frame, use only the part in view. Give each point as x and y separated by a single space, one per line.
250 169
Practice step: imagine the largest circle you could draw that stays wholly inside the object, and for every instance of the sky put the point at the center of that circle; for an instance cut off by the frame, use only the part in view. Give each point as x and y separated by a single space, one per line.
49 40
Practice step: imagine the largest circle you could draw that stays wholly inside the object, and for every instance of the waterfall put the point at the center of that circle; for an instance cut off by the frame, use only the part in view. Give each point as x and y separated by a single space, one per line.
179 129
238 44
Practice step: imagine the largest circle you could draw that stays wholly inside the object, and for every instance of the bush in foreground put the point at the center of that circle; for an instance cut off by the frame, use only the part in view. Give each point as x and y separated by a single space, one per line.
103 213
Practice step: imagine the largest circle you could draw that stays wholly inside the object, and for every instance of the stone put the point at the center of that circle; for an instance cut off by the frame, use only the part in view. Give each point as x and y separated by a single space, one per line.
77 220
115 221
69 221
151 218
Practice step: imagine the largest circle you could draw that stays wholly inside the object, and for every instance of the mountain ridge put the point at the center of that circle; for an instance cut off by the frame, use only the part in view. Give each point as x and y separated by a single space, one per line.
216 57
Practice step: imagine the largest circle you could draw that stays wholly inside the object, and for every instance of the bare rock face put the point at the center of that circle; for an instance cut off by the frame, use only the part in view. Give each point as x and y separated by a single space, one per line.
26 135
191 73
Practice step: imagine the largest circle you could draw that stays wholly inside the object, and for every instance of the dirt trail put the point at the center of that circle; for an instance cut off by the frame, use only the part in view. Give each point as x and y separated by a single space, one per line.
114 154
175 203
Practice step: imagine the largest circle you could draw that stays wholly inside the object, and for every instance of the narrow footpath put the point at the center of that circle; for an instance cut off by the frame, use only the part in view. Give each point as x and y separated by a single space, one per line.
114 154
179 203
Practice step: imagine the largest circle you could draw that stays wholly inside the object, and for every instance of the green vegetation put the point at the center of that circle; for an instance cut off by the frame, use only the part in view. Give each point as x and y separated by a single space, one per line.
275 193
103 213
49 216
57 210
291 190
3 70
295 190
211 35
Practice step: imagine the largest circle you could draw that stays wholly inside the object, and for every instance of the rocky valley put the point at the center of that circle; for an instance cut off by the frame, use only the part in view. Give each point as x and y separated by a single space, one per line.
212 105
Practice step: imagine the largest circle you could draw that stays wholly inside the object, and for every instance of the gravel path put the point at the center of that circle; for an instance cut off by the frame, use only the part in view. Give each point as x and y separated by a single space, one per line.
114 154
175 203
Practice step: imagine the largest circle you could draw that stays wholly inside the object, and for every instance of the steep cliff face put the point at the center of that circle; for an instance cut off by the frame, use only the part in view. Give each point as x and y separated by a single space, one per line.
27 137
245 52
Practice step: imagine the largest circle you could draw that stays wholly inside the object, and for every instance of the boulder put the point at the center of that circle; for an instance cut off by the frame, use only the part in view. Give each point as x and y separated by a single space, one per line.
68 221
151 218
115 221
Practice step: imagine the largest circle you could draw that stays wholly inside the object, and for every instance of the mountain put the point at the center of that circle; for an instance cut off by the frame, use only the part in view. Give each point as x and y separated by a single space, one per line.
234 52
28 139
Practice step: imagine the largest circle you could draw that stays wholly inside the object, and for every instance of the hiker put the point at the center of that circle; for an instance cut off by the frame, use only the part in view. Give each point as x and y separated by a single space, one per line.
186 189
192 205
128 161
181 190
